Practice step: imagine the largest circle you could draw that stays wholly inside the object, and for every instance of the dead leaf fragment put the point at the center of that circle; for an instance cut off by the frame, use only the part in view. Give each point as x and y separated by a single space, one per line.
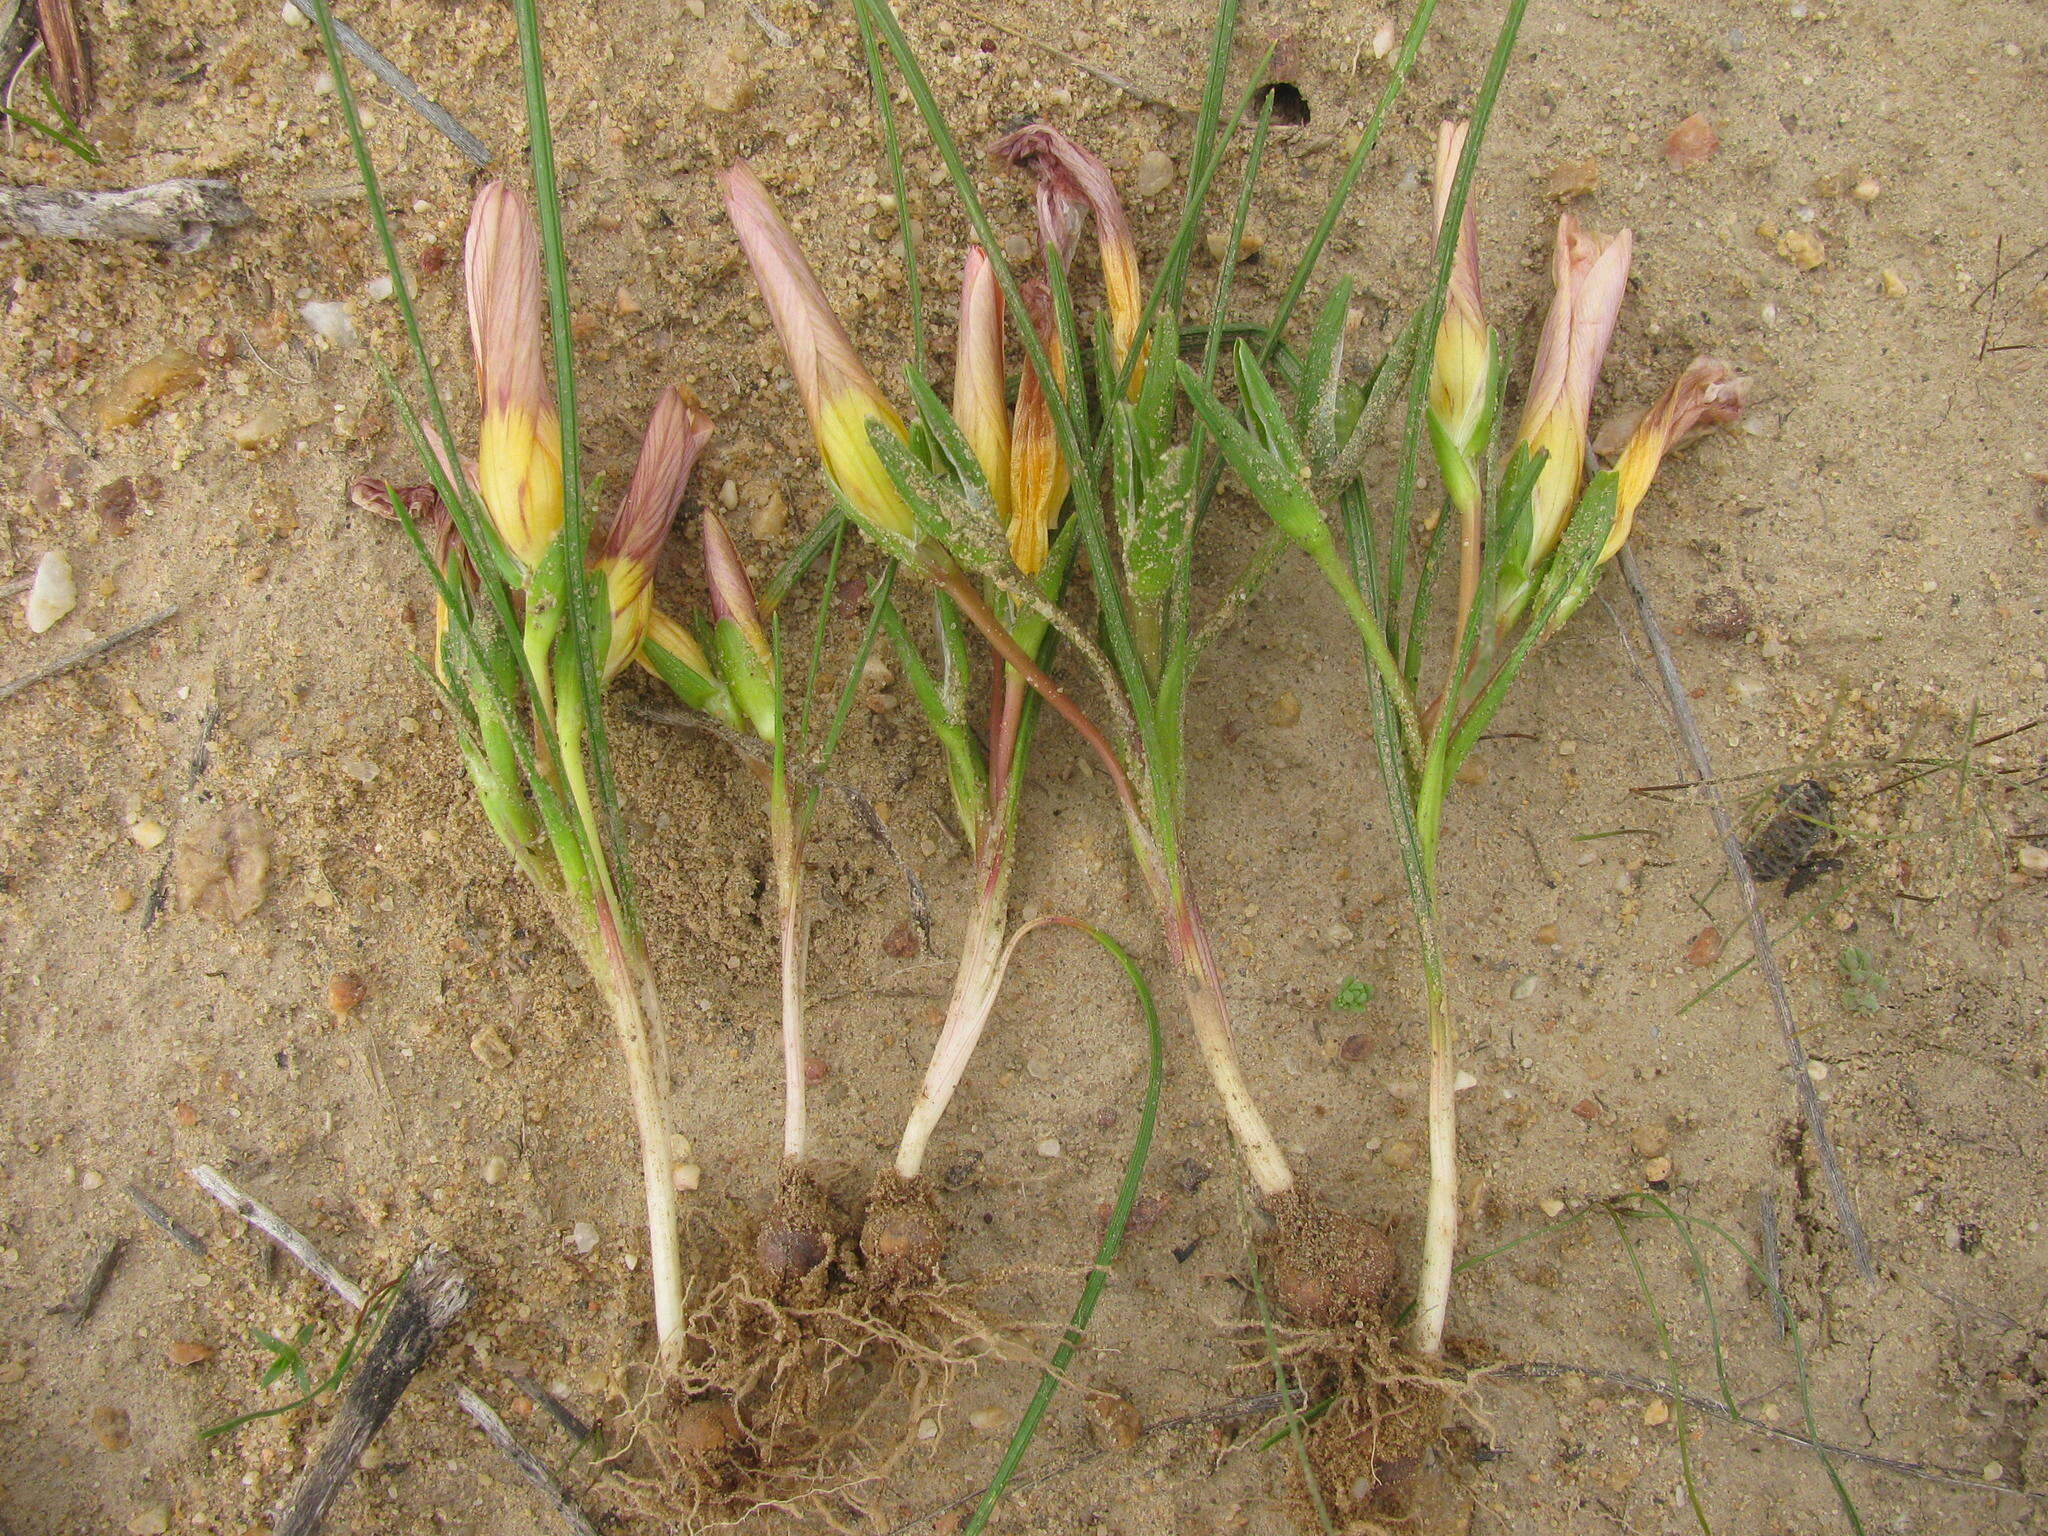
222 865
1691 143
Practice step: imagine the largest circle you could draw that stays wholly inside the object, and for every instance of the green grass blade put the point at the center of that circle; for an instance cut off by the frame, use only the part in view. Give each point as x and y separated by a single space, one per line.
1680 1421
1106 1251
899 180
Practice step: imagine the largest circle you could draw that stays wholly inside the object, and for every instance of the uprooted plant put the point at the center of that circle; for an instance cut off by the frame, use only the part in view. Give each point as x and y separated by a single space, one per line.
1532 535
537 607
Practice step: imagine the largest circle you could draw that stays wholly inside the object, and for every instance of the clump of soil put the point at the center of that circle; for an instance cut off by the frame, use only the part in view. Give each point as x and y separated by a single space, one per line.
903 1239
1328 1268
799 1239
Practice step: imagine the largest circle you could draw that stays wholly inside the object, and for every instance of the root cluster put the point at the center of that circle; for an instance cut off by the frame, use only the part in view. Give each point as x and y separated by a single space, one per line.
1375 1411
805 1371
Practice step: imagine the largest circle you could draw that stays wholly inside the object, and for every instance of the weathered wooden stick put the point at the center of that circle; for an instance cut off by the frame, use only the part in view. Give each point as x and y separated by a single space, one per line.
432 1295
530 1467
79 1304
80 657
280 1232
181 212
166 1223
354 42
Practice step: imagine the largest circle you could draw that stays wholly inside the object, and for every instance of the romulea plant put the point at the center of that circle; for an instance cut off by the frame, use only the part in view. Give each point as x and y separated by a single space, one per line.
1139 481
1532 534
537 607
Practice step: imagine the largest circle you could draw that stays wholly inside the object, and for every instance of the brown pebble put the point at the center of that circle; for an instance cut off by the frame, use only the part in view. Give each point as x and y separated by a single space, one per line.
1572 180
58 484
815 1070
345 991
1705 948
1547 934
217 348
1114 1421
1657 1172
1285 710
114 505
184 1115
121 899
1587 1109
432 259
110 1427
1398 1154
1356 1048
187 1352
1471 772
1154 173
1691 143
901 943
491 1048
1657 1413
1803 248
1722 614
1651 1139
140 392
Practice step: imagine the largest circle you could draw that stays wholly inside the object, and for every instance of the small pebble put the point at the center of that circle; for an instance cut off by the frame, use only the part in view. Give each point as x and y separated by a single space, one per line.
147 832
1587 1109
329 320
1547 934
491 1048
1652 1139
1891 284
1523 989
52 592
150 1520
729 494
184 1115
1572 180
140 392
770 517
292 16
1383 40
1658 1412
187 1352
91 1179
2034 859
1866 191
260 429
988 1420
1398 1154
1017 249
495 1169
1464 1082
1705 948
345 993
1994 1472
927 1429
1285 710
1657 1171
1803 248
1050 1147
1817 1071
110 1429
583 1238
1722 614
1248 246
815 1070
1691 143
687 1176
1154 173
1114 1421
1471 772
1551 1207
1355 1048
902 942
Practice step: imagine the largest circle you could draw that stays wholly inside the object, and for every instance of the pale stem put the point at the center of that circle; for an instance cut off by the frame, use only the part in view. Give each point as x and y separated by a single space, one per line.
636 1016
1440 1229
796 949
975 987
1209 1013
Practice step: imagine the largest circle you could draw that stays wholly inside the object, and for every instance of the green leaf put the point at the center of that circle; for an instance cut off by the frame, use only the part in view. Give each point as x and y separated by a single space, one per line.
1280 494
1322 375
1352 995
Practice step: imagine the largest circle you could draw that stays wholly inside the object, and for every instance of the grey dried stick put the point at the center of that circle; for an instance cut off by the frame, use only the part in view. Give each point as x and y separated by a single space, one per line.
162 213
1759 931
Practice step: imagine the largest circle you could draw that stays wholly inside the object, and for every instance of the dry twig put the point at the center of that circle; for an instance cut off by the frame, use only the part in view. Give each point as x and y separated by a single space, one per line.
282 1233
79 658
1759 931
529 1465
355 43
182 213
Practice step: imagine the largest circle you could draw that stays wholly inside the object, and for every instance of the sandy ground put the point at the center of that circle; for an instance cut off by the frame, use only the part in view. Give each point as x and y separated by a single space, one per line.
1854 577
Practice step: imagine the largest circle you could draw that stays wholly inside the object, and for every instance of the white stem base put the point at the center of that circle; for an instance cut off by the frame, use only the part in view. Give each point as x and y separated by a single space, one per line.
1440 1221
